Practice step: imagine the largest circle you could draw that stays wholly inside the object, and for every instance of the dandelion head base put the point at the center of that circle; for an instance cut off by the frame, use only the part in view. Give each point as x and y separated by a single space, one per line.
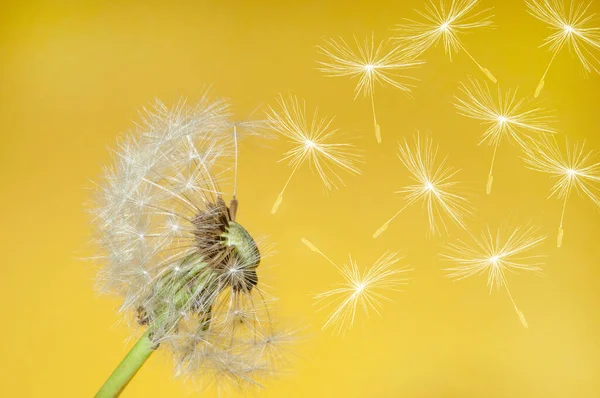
225 256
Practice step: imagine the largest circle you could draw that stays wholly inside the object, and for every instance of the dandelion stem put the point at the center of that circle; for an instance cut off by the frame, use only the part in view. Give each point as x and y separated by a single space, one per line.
128 367
377 129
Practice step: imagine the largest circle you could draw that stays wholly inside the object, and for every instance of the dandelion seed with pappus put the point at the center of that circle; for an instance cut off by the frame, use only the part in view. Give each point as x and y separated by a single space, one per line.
360 290
313 141
575 27
435 186
173 250
444 22
574 169
506 116
370 64
497 254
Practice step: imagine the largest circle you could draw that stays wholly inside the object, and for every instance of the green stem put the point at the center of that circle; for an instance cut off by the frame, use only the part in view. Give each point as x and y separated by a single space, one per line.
128 367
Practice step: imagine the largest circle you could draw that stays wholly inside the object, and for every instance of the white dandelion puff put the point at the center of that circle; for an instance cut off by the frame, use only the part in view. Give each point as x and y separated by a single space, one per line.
496 254
370 64
434 186
574 169
361 290
445 22
174 252
575 26
313 142
506 116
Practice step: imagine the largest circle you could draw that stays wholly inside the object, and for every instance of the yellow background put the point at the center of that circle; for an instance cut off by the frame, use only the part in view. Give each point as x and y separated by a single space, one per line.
72 78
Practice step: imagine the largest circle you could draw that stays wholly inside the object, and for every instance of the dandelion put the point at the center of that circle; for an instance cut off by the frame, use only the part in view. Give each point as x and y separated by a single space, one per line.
175 253
445 22
434 186
574 169
312 143
507 117
574 27
359 289
497 255
370 64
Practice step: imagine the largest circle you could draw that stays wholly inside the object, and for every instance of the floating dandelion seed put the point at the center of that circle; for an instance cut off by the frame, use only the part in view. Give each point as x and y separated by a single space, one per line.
496 255
370 64
359 289
444 23
312 144
575 169
508 117
434 186
174 251
573 27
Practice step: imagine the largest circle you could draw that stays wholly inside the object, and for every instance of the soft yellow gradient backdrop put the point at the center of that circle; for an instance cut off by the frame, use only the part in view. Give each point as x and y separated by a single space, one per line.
72 78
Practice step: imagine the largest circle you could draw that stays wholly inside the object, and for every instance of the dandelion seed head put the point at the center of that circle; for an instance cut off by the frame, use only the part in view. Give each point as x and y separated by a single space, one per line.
168 242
